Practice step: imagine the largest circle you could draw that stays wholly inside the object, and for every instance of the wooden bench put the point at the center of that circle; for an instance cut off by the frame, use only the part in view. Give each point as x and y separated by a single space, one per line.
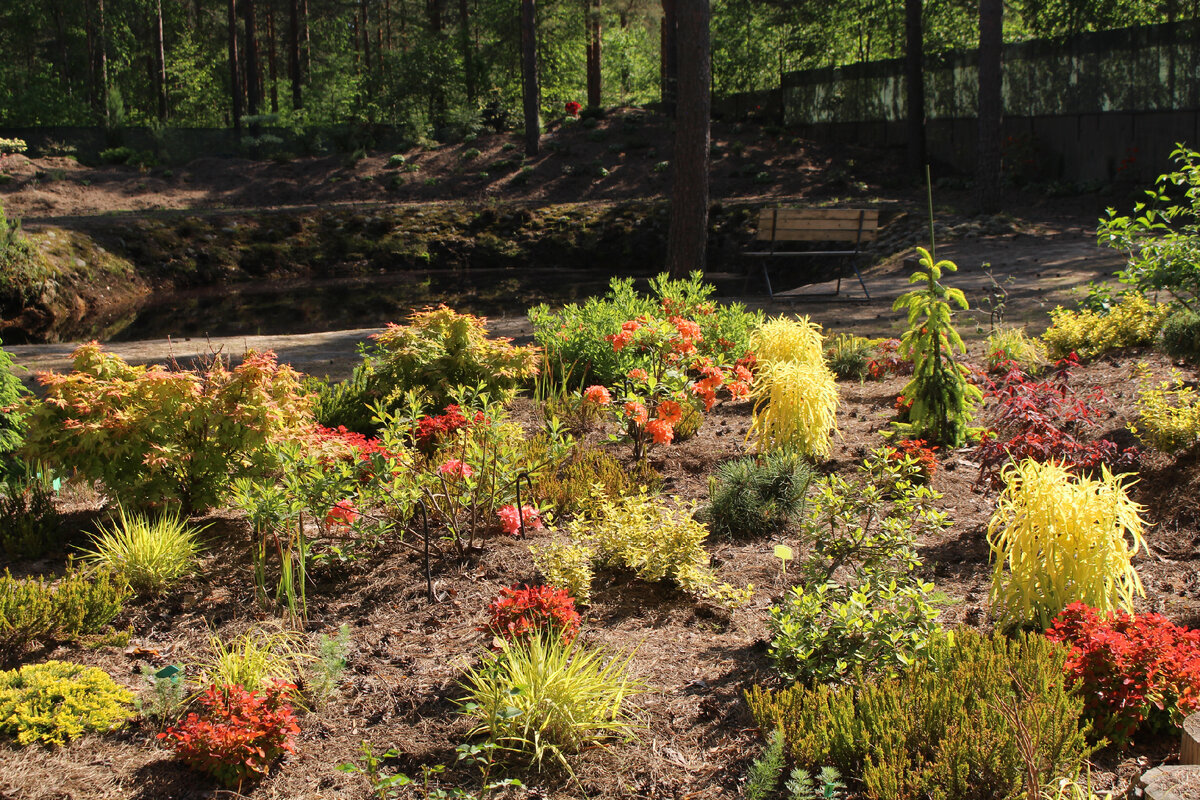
793 226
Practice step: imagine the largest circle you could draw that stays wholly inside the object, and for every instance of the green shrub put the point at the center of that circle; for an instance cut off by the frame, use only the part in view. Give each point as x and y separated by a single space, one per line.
57 701
540 697
30 525
155 436
1181 335
763 777
566 565
23 270
980 718
343 403
32 609
1132 322
756 496
566 488
151 556
849 356
396 160
861 603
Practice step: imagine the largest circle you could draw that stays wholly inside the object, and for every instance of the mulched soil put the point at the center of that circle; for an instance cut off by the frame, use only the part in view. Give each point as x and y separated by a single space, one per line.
695 735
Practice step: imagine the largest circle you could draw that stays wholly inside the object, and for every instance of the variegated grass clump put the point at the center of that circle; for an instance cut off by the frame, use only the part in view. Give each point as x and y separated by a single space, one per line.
151 555
795 393
1059 538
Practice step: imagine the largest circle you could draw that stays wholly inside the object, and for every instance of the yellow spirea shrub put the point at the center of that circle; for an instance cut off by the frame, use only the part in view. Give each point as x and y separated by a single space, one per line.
795 393
1131 322
637 533
57 701
1168 415
1059 538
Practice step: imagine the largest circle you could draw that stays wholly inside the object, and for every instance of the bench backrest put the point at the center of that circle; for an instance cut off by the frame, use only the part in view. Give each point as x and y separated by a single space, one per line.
818 225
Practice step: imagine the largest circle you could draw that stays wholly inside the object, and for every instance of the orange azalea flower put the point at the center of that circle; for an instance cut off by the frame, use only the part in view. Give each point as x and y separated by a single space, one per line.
661 431
742 374
637 412
670 412
638 375
738 390
598 395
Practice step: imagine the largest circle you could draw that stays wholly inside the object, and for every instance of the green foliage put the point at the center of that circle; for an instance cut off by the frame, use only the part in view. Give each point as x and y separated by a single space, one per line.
573 337
1132 322
165 696
541 698
253 660
826 785
30 525
343 403
57 701
12 412
1181 335
150 555
588 470
1012 346
848 356
23 271
33 609
977 719
763 778
330 663
1162 240
155 436
939 401
756 496
862 604
1058 538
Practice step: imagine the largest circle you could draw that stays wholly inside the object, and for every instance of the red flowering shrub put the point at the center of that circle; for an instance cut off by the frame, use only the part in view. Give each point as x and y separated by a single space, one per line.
433 430
572 108
239 734
1133 670
917 448
1033 420
518 613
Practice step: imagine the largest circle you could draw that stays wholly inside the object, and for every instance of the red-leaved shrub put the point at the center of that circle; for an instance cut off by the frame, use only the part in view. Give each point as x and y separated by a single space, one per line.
1134 671
239 734
923 454
518 613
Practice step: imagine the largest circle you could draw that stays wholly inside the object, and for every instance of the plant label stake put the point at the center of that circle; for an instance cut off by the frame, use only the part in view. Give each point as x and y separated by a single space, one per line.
784 554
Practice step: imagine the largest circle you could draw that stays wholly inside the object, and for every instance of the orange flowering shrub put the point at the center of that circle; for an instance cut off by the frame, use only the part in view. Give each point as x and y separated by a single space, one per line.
153 435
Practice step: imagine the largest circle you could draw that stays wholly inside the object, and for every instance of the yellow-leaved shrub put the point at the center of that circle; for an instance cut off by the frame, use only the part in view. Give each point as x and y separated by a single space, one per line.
1131 322
795 393
1168 415
1059 538
57 701
641 534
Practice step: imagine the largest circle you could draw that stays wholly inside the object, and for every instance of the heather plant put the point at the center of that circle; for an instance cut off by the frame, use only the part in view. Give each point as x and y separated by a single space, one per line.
978 717
541 699
861 603
1057 539
57 701
567 487
150 555
1135 672
154 436
757 495
1132 322
938 403
78 604
239 733
1168 414
30 524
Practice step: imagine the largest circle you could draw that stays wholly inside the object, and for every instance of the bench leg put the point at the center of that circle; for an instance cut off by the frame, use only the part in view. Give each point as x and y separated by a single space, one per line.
767 281
861 282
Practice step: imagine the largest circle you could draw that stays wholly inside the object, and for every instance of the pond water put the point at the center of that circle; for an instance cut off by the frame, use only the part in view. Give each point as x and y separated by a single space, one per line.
308 306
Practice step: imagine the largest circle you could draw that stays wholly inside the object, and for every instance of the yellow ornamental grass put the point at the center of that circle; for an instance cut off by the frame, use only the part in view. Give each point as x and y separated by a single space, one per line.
787 339
795 406
1058 538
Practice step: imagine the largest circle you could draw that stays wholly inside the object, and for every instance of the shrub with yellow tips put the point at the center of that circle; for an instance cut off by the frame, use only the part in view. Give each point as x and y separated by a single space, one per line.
795 393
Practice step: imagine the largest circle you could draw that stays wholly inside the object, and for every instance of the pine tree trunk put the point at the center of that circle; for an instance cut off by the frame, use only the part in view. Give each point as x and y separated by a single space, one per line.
104 62
530 88
235 78
272 55
687 241
987 174
594 79
294 53
366 38
669 49
914 78
468 52
253 81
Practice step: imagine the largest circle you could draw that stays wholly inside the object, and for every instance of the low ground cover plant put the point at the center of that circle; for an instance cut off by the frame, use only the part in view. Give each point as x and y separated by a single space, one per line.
849 356
757 495
57 701
1135 672
1057 538
539 699
154 436
1168 414
238 734
978 717
1132 322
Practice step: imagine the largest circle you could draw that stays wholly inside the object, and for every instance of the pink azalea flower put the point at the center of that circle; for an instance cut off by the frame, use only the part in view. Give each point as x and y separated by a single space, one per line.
510 520
455 468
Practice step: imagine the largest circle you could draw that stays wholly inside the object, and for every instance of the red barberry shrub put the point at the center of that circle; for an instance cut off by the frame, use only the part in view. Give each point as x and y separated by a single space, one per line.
1042 420
518 613
1134 671
239 733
